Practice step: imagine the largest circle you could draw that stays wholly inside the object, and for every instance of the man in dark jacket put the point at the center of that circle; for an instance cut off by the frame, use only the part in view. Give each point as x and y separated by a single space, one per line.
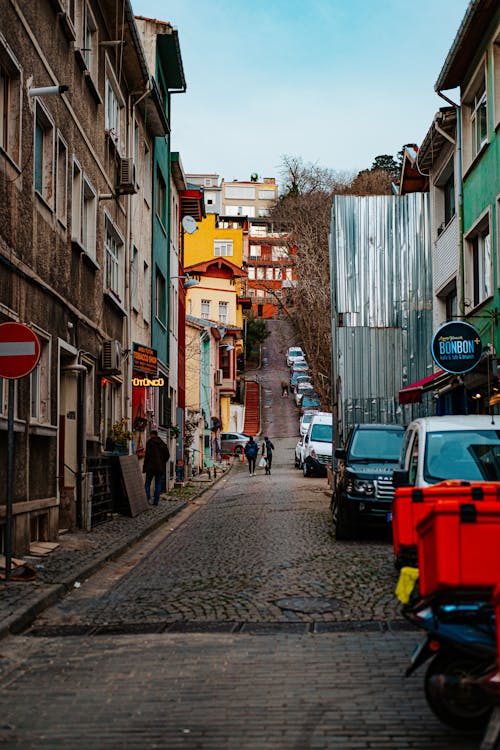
267 452
251 450
155 464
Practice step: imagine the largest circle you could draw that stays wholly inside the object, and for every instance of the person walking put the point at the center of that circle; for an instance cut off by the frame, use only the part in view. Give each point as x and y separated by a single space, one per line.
251 450
284 388
267 452
155 465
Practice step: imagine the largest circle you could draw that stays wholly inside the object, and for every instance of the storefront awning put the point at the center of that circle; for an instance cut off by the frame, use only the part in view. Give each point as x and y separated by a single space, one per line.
412 394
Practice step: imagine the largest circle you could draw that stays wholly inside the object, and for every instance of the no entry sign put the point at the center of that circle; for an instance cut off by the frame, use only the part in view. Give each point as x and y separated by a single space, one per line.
19 350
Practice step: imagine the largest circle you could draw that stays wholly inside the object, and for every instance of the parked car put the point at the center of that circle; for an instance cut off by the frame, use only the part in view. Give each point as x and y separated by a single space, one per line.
301 367
363 488
318 445
293 353
299 377
233 443
299 453
309 402
304 391
305 420
463 447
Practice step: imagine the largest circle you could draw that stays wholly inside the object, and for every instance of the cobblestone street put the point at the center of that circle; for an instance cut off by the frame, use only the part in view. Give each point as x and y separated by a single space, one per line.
238 623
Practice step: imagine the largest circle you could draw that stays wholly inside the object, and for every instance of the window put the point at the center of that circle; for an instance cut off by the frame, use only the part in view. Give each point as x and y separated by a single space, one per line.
481 267
260 273
269 274
161 198
109 393
40 384
223 309
76 203
44 155
61 180
449 199
146 292
223 248
90 42
479 120
89 219
165 406
134 277
205 309
113 267
147 174
278 274
10 102
137 134
451 304
114 111
161 298
251 273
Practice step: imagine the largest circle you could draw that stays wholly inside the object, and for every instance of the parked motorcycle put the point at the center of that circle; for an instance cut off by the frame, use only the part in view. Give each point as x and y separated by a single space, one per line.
460 644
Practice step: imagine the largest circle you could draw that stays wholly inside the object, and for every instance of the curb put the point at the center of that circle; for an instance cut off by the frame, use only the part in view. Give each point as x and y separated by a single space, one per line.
17 622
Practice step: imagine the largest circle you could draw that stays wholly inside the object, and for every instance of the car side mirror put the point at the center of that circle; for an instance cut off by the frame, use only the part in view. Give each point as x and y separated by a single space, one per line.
401 478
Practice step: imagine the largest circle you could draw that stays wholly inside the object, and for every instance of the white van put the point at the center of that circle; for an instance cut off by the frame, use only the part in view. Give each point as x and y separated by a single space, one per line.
463 447
318 445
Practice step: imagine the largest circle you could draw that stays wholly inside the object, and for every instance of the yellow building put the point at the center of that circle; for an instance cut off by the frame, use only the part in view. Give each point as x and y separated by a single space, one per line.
213 256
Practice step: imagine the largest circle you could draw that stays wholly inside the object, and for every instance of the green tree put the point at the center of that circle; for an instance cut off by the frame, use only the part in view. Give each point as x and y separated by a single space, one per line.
387 162
257 333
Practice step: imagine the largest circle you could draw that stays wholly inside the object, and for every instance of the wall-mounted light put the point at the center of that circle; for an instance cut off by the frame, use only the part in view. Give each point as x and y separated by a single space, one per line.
189 281
229 347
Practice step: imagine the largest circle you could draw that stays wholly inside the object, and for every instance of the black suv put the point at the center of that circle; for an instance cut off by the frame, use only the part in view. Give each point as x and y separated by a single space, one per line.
363 489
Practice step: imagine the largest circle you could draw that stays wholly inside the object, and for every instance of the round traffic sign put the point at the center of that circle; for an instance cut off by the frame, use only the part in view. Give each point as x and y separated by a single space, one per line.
19 350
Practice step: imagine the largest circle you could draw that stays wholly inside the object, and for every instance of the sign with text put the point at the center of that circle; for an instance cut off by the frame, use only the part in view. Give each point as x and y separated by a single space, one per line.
456 347
144 359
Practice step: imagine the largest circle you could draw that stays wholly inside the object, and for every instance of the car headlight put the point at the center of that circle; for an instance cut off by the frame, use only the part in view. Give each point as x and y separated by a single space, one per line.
361 487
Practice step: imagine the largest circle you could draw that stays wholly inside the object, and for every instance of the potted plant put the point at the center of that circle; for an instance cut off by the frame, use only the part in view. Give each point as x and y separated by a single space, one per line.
119 437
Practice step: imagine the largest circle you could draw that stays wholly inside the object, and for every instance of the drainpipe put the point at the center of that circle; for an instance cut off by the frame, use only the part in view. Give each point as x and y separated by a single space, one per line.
460 201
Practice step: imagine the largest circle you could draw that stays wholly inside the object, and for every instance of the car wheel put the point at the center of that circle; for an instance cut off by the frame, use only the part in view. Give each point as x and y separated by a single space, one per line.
297 462
343 526
238 450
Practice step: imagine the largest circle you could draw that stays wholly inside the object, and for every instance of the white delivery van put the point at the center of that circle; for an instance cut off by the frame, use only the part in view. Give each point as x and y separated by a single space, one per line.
318 445
465 447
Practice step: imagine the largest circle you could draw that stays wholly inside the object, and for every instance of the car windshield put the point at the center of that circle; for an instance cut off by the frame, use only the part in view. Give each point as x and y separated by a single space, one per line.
376 445
308 401
321 433
295 353
468 454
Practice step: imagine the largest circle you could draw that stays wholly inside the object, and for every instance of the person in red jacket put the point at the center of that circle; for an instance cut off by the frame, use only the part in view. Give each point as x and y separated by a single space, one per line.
155 465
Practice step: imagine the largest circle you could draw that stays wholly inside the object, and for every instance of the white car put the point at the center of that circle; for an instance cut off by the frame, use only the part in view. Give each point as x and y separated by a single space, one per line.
465 447
306 419
299 453
294 353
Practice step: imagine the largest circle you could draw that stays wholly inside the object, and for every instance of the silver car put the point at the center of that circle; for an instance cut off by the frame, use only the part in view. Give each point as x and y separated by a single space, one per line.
233 443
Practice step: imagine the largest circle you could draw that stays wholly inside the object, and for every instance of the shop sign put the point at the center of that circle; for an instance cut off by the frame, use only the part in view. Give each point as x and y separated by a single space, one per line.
148 382
144 359
456 347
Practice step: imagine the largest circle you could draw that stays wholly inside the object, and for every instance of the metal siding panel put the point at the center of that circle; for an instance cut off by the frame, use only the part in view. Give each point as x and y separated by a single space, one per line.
380 266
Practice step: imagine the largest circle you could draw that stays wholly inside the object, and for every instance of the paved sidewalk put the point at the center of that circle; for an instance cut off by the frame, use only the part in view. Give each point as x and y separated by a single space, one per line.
81 554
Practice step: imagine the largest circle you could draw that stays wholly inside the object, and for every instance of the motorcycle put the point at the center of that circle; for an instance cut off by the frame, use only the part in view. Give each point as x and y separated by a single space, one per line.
460 644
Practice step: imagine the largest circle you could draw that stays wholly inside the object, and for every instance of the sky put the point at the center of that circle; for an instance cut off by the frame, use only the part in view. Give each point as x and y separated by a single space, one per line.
332 82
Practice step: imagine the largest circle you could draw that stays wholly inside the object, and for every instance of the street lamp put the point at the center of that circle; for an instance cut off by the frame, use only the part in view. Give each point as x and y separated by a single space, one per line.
189 281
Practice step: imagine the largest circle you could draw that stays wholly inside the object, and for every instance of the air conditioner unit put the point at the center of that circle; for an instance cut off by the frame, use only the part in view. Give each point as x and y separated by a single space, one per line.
218 377
111 356
126 176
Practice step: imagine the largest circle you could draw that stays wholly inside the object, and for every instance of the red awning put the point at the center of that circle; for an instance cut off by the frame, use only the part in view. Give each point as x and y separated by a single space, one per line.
412 394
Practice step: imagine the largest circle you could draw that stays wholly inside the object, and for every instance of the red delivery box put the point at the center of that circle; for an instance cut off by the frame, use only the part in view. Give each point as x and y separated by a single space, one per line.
459 547
412 503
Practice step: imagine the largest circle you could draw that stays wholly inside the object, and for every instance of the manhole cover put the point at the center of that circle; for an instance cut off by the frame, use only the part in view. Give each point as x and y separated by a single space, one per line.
309 604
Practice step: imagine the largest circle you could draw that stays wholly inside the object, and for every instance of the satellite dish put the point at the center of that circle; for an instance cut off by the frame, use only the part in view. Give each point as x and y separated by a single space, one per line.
254 177
189 224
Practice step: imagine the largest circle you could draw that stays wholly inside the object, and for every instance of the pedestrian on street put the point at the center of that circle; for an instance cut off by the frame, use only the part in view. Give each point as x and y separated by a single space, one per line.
284 388
155 465
251 450
267 452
